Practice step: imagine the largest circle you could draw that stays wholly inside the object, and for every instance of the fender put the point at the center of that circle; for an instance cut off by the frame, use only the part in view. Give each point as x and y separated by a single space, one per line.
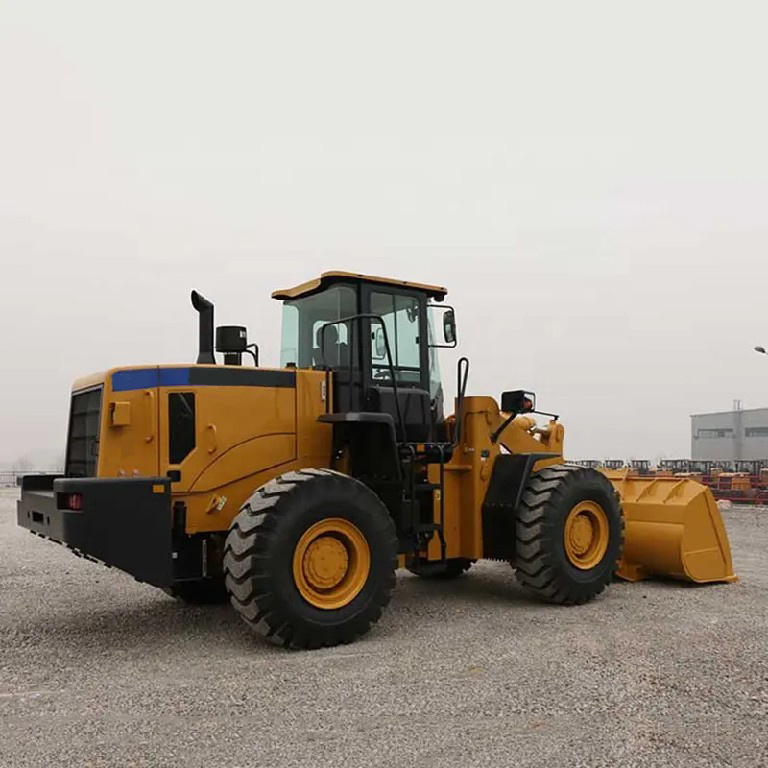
509 479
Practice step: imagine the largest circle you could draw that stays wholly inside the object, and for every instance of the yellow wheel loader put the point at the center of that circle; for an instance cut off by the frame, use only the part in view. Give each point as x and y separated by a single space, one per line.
297 492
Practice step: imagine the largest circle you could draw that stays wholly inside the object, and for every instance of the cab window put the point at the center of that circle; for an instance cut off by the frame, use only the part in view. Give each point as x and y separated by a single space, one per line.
401 317
305 344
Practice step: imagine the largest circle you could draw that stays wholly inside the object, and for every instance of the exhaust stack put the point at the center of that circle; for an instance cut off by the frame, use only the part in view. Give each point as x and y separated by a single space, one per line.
205 345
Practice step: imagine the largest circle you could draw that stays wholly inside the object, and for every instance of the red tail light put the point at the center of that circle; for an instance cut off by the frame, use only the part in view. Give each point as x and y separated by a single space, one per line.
75 501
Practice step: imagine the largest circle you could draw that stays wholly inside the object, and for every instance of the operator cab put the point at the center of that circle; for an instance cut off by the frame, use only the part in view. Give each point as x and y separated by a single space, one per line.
379 338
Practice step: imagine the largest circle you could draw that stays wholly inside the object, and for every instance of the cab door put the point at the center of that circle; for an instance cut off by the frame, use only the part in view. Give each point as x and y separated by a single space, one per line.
403 322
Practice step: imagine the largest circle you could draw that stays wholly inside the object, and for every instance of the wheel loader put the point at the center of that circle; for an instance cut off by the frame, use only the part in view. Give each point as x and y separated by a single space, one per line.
297 492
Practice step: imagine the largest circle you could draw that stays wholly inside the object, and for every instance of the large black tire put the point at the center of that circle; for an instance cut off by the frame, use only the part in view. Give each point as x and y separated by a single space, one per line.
451 569
202 592
259 558
542 561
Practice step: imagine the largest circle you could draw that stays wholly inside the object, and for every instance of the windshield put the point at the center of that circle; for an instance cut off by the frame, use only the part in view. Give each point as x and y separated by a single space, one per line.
303 342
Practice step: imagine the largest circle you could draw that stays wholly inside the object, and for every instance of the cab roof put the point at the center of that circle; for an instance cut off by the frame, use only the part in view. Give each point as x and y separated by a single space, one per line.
329 278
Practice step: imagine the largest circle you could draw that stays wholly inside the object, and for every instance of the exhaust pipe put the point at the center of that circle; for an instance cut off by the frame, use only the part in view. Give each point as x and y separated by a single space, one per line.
205 345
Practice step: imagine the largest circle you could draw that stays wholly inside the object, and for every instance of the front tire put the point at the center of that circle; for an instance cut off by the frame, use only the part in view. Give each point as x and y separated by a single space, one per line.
569 534
310 560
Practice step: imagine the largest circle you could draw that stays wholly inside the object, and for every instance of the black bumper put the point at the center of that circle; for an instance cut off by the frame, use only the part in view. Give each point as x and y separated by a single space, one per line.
126 523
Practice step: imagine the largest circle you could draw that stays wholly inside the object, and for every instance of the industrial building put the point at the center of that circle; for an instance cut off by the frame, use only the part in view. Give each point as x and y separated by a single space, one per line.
737 435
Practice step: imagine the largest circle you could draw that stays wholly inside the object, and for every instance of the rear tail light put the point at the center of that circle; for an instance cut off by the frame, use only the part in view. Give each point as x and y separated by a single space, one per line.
74 501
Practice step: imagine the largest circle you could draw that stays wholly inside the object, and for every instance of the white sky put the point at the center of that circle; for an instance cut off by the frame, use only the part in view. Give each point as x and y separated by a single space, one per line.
589 180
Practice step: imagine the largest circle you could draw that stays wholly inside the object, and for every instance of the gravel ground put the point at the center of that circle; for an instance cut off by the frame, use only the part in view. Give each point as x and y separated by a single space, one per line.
97 670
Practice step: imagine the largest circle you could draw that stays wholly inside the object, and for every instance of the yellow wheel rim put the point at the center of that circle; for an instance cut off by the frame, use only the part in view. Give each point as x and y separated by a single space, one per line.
586 535
331 563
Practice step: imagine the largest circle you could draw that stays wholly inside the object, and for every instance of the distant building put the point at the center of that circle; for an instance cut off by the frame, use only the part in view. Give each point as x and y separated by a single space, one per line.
738 435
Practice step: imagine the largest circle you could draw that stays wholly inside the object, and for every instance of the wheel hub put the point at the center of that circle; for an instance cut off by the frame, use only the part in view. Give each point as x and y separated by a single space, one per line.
331 563
325 562
581 534
586 535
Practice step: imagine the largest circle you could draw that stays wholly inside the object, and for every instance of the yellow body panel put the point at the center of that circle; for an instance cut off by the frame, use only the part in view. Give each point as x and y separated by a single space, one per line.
129 445
313 438
673 528
218 494
245 436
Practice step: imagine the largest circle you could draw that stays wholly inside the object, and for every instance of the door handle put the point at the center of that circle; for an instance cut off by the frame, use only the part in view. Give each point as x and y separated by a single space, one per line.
212 429
152 415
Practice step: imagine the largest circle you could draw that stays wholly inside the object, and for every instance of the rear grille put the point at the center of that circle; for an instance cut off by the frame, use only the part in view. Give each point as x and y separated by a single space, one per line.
83 439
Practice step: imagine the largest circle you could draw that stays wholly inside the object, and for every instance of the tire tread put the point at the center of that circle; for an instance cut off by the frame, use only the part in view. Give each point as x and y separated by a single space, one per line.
247 559
535 535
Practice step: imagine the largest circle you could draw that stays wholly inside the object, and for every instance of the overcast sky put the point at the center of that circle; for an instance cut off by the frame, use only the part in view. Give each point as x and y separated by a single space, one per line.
588 179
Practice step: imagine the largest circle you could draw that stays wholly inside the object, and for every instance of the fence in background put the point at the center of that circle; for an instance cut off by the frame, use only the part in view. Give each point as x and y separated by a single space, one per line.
740 482
13 477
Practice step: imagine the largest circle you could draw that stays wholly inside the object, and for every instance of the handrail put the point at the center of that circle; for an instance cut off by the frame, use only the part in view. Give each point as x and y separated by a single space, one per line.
462 374
150 393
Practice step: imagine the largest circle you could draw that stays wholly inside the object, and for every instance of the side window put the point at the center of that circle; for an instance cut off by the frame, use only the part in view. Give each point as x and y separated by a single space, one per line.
401 317
302 320
289 342
181 426
435 379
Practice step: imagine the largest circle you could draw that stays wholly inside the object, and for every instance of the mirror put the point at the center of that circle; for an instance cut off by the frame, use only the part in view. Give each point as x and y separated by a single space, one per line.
518 401
449 327
379 344
449 338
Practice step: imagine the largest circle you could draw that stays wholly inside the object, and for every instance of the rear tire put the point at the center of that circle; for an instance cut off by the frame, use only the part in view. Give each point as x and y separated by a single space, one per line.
310 560
451 569
569 534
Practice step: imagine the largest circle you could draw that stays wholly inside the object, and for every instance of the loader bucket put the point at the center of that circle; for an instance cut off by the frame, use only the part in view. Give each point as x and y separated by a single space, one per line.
672 528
